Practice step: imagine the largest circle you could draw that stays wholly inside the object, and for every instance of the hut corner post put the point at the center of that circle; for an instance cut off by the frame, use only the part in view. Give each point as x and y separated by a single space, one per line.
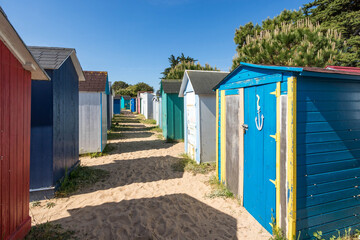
291 158
223 137
277 183
217 133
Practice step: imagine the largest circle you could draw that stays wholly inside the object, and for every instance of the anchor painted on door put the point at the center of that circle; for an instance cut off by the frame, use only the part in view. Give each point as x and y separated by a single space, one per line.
259 121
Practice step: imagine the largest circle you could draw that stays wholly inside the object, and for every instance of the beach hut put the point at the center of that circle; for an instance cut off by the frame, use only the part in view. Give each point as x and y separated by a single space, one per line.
199 113
125 102
156 109
172 109
117 104
146 104
288 146
54 119
110 102
93 112
17 68
133 104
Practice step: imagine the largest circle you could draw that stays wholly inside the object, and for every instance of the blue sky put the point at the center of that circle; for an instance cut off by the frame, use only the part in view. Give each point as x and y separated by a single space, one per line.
132 39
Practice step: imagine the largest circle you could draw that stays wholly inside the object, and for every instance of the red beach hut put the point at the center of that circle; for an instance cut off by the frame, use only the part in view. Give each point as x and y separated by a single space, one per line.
17 68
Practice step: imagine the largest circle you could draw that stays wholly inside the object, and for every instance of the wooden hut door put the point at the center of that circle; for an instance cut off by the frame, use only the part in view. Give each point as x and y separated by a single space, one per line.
234 143
260 153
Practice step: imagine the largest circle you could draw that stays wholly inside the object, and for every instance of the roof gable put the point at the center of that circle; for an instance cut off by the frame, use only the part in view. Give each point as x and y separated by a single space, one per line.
95 81
54 57
202 81
251 74
17 47
171 86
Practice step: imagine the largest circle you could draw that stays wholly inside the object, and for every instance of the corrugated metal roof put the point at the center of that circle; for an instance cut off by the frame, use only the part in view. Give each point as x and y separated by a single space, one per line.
51 57
347 69
204 81
171 86
95 81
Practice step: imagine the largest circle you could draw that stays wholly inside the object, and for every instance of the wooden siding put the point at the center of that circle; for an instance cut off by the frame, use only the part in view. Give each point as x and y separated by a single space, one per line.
103 121
207 104
15 106
328 164
175 117
65 126
89 122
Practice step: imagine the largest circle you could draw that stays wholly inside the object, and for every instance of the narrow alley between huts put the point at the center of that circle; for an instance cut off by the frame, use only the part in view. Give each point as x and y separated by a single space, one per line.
145 195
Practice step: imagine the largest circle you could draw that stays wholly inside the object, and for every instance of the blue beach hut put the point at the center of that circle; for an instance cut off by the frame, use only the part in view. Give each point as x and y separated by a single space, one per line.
199 113
117 104
133 104
54 148
287 146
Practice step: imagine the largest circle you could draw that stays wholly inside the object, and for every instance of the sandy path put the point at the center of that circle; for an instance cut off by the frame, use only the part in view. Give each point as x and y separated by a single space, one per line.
144 199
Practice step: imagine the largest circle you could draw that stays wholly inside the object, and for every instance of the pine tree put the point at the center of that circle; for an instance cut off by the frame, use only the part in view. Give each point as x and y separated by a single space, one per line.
292 44
344 16
178 71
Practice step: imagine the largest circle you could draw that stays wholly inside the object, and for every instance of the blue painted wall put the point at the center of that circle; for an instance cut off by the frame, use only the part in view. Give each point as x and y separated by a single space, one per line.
125 104
117 106
63 151
133 104
328 156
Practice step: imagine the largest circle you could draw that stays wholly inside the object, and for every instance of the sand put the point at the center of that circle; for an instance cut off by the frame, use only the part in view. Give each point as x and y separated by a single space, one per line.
145 199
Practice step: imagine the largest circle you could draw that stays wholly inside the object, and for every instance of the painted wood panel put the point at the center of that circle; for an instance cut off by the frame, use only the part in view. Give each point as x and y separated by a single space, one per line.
328 155
117 106
207 104
191 125
15 100
232 143
63 154
103 121
89 122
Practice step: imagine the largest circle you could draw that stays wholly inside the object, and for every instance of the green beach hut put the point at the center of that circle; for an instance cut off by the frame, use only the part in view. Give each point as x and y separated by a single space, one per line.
172 109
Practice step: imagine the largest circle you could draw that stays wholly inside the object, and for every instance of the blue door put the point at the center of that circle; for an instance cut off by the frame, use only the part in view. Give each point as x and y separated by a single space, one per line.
260 153
116 106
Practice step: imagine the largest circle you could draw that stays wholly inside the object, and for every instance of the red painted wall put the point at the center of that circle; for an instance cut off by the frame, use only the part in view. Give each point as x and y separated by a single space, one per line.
15 104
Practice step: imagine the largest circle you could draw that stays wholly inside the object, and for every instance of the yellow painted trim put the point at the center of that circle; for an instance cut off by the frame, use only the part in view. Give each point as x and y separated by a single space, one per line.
217 133
277 139
291 157
223 137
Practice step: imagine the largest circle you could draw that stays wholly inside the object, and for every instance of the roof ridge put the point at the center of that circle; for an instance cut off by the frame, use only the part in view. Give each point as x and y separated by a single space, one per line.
190 70
55 48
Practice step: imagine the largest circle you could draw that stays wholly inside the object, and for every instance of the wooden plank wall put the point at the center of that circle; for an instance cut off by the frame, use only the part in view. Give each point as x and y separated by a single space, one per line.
328 156
15 110
89 122
232 143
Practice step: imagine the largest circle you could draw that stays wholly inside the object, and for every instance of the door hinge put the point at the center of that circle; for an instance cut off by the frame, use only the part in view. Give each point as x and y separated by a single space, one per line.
276 137
275 182
276 92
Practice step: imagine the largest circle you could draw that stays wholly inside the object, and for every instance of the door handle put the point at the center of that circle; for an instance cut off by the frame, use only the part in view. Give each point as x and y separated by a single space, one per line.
245 128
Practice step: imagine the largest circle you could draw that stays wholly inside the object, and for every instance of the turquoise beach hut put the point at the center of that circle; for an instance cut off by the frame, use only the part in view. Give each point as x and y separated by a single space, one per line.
125 102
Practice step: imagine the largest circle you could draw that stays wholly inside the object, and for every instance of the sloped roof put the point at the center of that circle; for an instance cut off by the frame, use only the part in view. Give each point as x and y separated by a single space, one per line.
126 97
54 57
171 86
301 71
202 81
347 69
17 47
117 97
95 81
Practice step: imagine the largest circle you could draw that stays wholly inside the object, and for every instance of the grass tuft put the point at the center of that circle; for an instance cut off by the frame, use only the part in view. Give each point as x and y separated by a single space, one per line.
218 189
189 165
107 149
148 121
81 176
155 129
50 231
50 205
36 204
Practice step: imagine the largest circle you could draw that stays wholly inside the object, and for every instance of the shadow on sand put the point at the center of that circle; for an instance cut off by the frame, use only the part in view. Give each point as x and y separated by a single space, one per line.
175 216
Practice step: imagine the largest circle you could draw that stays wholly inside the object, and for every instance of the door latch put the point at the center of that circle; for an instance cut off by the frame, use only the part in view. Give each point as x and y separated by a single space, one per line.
245 128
